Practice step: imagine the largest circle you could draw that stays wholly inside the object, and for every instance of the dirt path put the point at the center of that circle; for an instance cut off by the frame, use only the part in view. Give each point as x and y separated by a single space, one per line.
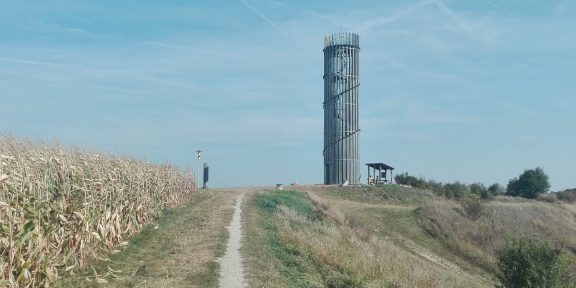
232 271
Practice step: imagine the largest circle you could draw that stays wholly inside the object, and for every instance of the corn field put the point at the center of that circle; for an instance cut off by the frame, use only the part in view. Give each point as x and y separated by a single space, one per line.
61 208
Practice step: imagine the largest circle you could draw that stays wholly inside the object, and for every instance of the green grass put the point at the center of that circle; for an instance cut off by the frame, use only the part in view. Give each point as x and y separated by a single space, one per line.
141 245
300 267
393 222
206 278
268 203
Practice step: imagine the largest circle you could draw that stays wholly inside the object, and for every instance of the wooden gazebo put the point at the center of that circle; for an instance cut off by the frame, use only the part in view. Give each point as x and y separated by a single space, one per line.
382 176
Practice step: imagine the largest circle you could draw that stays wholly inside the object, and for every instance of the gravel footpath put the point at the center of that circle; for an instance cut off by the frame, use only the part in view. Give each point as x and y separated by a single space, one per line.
232 271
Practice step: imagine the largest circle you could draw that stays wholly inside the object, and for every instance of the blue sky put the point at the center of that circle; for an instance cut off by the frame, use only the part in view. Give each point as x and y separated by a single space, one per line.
450 90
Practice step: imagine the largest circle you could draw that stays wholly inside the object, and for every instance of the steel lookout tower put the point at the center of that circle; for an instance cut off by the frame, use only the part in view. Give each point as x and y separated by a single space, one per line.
341 129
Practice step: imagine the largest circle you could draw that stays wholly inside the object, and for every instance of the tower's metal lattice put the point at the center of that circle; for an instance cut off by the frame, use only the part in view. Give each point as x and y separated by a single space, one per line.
341 130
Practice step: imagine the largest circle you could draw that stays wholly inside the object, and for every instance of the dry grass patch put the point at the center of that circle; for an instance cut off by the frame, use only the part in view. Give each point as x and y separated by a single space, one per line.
382 194
311 243
446 227
477 240
385 253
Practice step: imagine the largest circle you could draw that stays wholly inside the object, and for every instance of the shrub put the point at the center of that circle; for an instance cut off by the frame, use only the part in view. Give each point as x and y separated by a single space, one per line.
525 263
568 195
529 185
434 186
473 206
547 197
405 179
480 190
455 190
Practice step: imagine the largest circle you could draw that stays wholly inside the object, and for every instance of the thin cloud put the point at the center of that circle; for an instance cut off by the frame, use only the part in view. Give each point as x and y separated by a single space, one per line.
493 4
261 15
484 35
396 16
452 15
307 12
28 62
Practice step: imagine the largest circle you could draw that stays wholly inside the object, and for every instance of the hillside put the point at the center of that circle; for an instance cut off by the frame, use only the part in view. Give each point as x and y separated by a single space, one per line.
391 236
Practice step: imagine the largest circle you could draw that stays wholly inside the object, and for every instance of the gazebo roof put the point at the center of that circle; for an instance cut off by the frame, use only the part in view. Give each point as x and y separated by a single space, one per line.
379 166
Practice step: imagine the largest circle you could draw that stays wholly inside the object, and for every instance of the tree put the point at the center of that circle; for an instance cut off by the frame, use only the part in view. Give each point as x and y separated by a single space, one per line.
526 263
496 189
529 184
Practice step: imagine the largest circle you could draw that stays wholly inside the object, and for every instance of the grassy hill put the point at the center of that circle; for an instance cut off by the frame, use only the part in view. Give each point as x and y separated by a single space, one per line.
71 218
389 236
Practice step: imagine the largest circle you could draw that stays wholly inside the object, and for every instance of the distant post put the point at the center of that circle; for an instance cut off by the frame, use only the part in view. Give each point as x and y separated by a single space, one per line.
205 180
198 166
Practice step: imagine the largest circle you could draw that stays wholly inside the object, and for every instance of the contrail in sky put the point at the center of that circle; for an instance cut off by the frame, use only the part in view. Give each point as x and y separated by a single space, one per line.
492 4
483 34
396 16
444 9
260 14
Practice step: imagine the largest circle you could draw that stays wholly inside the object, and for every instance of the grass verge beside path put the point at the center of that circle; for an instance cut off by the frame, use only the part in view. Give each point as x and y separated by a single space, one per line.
299 239
179 250
273 261
262 268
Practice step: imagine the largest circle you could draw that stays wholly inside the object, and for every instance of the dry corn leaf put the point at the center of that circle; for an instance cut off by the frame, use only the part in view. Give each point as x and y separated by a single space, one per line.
7 157
3 177
101 281
69 268
113 271
79 215
96 235
62 218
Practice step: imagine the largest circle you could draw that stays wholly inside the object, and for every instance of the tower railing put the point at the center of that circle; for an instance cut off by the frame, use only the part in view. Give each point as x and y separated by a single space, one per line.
345 38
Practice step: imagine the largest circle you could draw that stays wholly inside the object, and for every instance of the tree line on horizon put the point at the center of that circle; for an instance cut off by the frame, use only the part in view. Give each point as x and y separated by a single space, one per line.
530 184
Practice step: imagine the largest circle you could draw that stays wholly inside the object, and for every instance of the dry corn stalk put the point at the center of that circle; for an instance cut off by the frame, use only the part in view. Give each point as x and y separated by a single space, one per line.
60 208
